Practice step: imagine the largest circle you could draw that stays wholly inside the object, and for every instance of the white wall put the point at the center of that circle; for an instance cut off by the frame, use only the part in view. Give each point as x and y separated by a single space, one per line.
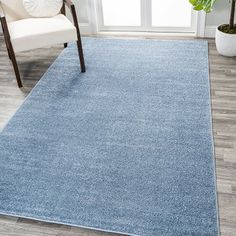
86 13
81 6
82 13
220 15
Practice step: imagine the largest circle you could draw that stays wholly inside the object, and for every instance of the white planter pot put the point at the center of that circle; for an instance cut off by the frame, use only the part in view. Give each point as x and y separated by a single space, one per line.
226 43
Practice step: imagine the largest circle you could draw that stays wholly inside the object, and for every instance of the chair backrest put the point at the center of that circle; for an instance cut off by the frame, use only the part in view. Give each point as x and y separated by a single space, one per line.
14 10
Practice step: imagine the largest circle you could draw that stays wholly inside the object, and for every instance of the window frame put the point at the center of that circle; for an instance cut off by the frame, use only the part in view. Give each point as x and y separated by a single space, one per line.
197 23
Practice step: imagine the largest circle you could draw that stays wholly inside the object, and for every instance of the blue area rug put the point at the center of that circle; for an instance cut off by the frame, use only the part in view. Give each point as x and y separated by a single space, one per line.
126 147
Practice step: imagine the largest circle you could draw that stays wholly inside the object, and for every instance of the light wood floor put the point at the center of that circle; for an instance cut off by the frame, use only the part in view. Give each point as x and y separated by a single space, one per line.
223 83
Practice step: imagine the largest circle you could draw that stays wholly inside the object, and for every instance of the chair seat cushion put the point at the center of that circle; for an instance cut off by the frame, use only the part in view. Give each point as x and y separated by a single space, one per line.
33 33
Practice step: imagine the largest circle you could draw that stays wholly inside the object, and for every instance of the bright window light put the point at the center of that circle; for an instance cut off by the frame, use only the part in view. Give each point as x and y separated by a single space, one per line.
122 12
171 13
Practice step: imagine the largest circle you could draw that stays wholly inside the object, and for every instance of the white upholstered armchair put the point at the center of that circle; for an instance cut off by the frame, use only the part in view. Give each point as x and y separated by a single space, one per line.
23 32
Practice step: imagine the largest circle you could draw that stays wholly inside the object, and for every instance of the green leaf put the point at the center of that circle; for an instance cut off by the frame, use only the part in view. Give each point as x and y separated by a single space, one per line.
205 5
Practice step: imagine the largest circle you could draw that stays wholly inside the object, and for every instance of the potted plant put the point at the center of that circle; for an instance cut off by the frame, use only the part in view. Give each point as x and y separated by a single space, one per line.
226 33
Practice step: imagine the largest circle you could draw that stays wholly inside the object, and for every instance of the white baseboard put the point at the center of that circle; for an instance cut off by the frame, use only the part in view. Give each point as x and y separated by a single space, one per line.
85 28
210 31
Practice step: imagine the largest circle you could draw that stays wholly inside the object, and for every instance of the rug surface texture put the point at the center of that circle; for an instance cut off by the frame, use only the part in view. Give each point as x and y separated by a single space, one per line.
125 147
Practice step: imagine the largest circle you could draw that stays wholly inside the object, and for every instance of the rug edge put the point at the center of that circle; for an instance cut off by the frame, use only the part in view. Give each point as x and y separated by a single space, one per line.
213 143
66 224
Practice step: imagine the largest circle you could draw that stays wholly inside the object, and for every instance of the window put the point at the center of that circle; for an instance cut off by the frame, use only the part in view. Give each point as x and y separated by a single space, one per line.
146 16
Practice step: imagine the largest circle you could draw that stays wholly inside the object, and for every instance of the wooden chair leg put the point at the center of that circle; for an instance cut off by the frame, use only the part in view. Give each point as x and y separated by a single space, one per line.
6 42
79 43
8 54
10 50
81 56
15 66
63 11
